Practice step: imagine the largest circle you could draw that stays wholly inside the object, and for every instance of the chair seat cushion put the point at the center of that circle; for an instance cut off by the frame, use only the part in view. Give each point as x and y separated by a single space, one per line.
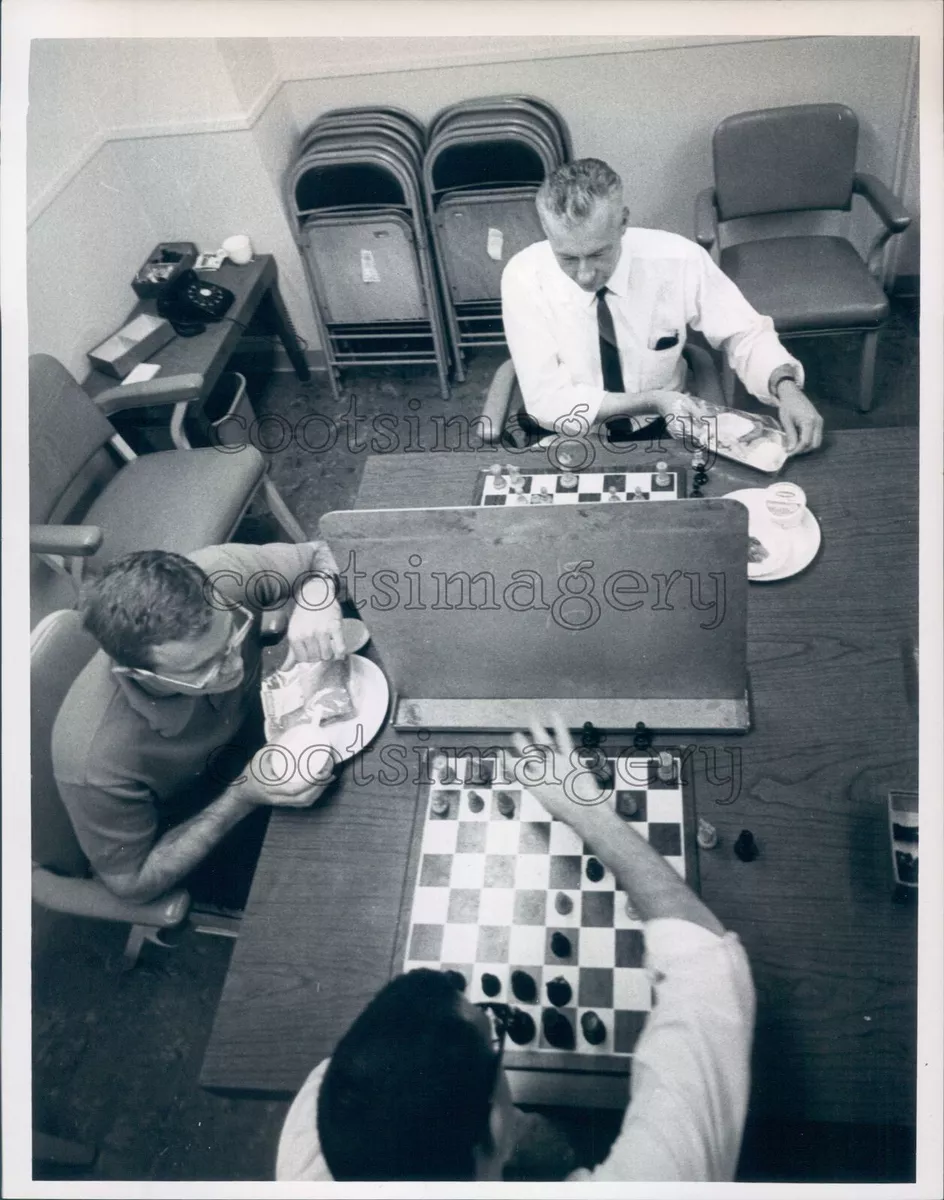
179 500
807 284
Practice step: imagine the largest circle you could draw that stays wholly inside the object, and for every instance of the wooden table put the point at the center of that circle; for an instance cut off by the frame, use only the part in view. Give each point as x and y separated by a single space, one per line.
191 366
834 958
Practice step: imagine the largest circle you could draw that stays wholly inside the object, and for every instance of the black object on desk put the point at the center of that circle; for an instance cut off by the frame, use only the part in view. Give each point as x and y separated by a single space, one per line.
190 367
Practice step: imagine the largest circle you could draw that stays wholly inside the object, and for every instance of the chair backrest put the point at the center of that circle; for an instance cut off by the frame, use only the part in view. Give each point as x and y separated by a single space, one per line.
66 430
785 160
59 649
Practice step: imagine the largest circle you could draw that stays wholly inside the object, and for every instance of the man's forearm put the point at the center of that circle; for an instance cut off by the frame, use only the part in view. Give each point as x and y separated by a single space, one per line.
181 849
654 888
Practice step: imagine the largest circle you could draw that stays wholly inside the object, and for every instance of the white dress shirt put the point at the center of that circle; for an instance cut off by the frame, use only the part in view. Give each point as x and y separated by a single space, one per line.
662 284
690 1071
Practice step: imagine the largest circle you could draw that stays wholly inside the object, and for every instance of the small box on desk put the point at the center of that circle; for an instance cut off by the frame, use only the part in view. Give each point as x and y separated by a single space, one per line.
132 344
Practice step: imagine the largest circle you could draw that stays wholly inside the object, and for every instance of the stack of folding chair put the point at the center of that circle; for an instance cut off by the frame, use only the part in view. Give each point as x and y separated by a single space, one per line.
484 163
354 198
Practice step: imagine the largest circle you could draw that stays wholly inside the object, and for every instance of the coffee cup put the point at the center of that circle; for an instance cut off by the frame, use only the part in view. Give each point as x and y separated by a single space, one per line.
786 504
238 249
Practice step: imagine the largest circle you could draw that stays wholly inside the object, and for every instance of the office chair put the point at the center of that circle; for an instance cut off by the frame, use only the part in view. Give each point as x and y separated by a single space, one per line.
92 499
61 880
505 421
798 159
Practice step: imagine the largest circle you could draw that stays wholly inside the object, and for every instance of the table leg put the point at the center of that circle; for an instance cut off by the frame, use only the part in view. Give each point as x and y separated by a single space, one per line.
286 331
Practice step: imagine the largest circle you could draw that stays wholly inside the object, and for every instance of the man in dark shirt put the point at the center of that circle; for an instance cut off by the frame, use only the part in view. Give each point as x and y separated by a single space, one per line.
153 748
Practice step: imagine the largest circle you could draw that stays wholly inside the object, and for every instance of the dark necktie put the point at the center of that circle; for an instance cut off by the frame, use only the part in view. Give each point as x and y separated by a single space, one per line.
609 353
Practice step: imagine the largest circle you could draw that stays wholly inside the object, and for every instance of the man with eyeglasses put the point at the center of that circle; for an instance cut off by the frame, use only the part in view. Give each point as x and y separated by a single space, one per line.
415 1089
157 749
596 319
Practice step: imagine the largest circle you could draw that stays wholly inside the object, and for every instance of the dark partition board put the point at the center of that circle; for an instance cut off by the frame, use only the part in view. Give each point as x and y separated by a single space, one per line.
591 602
567 1077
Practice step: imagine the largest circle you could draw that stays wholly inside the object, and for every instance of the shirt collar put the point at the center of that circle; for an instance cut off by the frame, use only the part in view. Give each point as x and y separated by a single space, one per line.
618 282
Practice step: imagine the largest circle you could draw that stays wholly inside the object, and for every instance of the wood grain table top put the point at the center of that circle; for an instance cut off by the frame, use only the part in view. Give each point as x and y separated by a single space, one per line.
834 957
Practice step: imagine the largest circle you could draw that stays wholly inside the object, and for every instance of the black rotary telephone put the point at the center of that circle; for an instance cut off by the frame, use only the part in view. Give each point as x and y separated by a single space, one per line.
189 302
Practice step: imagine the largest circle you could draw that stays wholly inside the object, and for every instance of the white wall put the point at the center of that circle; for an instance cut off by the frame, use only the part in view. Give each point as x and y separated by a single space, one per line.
136 141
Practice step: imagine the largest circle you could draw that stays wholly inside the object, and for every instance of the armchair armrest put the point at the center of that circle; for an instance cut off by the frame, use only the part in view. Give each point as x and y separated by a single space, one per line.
706 218
883 202
170 390
495 412
67 540
90 898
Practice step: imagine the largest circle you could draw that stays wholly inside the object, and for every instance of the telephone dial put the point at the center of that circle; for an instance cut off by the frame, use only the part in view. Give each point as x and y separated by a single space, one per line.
189 302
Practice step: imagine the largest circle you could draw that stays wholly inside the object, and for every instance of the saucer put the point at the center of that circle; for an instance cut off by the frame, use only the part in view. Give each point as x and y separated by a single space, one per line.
792 550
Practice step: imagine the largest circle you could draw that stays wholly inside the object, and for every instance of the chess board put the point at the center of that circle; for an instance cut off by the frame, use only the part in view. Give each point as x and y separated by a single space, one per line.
481 900
591 487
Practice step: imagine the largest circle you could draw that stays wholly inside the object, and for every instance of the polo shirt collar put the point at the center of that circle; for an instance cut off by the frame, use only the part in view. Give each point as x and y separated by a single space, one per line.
166 715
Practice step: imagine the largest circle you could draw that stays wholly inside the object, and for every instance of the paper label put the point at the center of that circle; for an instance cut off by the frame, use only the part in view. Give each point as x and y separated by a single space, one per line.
369 272
495 244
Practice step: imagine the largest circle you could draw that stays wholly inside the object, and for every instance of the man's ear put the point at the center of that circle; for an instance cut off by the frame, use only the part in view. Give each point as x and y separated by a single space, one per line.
624 221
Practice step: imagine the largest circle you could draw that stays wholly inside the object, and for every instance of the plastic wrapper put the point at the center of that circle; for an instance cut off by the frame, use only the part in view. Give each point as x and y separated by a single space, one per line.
308 693
753 439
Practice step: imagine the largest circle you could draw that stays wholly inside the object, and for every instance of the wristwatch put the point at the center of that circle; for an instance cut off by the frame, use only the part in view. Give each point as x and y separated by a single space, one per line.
777 376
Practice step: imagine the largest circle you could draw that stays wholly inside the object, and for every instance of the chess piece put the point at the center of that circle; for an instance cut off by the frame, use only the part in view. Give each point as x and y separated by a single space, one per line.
613 494
642 738
521 1027
560 944
476 802
491 984
595 870
563 904
439 805
593 1028
590 736
639 493
506 804
745 847
666 768
499 483
569 480
557 1029
523 987
626 805
707 835
663 479
559 992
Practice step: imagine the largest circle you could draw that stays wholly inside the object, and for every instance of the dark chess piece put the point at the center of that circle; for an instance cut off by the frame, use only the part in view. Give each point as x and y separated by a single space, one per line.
560 944
521 1027
590 736
557 1029
595 870
642 738
745 847
523 987
593 1028
559 992
491 984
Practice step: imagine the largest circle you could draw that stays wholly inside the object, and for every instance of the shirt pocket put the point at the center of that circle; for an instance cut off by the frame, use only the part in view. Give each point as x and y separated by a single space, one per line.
660 368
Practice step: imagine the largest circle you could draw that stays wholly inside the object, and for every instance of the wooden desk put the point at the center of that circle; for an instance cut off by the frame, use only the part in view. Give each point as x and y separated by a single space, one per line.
834 958
195 363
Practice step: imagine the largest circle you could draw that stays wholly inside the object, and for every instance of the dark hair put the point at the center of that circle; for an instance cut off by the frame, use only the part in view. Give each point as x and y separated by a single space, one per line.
570 193
408 1091
143 599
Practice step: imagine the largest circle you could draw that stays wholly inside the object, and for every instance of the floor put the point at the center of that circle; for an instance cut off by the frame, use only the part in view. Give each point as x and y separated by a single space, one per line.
117 1055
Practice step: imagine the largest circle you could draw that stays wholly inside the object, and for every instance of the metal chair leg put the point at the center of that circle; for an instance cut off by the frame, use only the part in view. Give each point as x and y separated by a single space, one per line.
867 370
282 513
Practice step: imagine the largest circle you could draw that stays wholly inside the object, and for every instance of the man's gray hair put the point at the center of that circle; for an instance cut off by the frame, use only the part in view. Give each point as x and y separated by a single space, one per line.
570 193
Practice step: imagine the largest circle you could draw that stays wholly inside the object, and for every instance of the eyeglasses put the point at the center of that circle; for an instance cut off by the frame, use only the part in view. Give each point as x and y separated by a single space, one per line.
242 623
499 1016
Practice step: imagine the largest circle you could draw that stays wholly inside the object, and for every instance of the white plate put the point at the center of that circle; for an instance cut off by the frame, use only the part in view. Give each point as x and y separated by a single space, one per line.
801 544
371 695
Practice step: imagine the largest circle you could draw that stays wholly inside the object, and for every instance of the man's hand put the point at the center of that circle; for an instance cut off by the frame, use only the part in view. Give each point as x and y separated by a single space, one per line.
801 422
551 771
284 781
315 633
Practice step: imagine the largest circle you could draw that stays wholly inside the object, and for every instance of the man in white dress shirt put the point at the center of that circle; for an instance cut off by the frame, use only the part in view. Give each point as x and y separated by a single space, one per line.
416 1091
596 316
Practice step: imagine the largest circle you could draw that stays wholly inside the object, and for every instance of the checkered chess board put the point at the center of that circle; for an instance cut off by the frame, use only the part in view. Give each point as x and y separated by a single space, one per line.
484 897
582 487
